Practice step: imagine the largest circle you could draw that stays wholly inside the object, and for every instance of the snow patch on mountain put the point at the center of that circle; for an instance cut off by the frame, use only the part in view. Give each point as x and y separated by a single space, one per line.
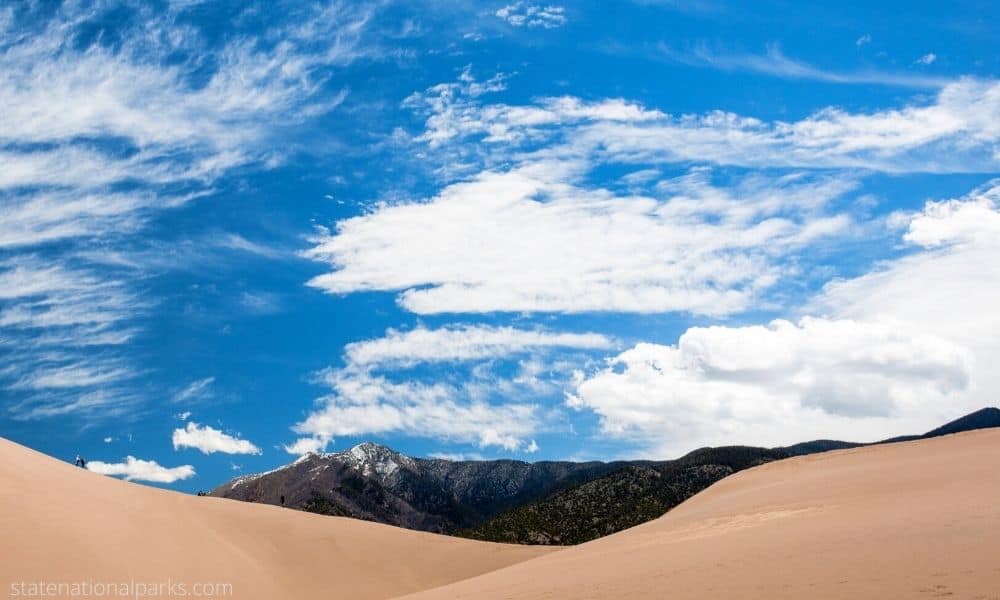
368 458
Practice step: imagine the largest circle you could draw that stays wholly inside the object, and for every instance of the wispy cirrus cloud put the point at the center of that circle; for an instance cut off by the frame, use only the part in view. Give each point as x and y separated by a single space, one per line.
60 331
954 132
362 403
197 391
775 63
463 343
379 390
98 135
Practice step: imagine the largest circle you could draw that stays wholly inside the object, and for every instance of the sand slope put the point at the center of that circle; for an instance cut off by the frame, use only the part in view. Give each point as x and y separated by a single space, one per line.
910 520
61 523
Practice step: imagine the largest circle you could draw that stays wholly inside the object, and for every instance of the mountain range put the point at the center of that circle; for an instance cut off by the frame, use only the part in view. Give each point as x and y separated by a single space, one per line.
548 502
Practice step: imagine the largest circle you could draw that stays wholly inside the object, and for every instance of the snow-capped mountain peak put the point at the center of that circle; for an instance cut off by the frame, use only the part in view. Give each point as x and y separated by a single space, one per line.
371 458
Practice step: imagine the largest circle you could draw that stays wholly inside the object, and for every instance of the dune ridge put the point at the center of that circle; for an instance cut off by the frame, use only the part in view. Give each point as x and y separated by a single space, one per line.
916 519
62 524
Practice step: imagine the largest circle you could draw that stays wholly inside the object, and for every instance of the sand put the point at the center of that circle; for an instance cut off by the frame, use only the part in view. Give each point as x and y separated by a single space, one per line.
59 523
909 520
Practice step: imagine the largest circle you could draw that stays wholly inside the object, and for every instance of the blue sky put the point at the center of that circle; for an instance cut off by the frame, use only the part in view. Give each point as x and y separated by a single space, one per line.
234 232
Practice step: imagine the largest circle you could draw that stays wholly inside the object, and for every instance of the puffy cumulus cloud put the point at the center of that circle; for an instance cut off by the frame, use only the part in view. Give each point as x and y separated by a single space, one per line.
525 14
528 240
776 384
974 220
134 469
362 404
209 440
463 343
946 286
307 445
900 350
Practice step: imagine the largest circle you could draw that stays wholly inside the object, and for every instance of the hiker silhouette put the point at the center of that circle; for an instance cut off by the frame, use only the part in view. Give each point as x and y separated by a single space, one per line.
80 462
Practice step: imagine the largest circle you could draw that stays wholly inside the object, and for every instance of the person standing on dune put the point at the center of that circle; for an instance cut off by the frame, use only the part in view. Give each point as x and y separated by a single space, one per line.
80 462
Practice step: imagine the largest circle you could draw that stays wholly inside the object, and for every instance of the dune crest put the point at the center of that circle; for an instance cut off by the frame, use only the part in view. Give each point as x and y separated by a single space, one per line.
63 524
908 520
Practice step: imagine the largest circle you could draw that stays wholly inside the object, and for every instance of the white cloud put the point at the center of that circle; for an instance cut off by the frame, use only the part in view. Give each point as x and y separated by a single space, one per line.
58 299
955 132
108 440
775 63
134 469
183 416
526 229
946 286
74 375
863 40
899 350
209 440
454 112
97 137
59 329
456 456
526 14
776 384
969 221
306 445
108 401
45 217
524 240
196 391
463 343
927 59
363 404
366 400
55 92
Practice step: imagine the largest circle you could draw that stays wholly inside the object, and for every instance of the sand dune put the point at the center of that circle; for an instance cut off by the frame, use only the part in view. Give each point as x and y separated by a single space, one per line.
909 520
63 524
